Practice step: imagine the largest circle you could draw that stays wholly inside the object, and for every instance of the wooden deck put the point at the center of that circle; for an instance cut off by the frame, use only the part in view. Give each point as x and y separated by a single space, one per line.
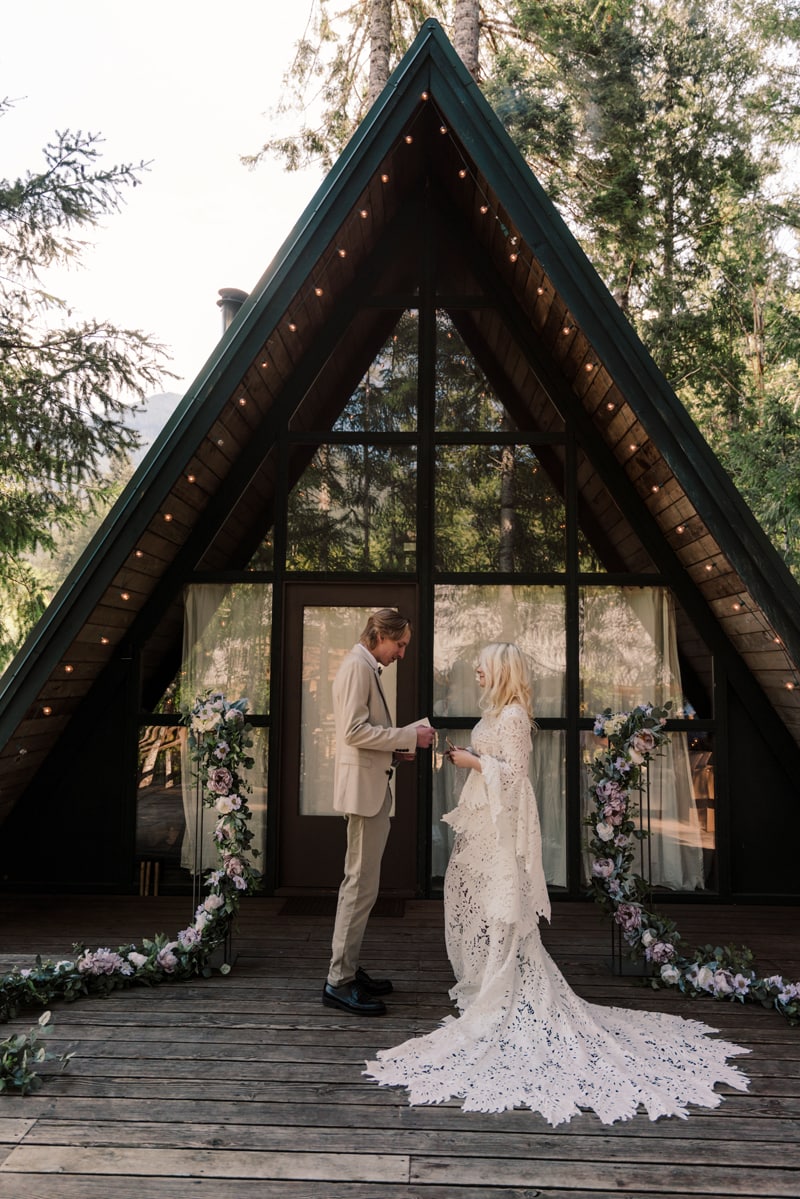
246 1086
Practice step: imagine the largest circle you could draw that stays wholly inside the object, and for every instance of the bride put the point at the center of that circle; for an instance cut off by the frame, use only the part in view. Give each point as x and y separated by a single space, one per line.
522 1037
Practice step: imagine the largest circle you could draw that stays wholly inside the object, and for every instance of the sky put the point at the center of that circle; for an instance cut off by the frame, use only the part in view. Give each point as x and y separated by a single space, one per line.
185 85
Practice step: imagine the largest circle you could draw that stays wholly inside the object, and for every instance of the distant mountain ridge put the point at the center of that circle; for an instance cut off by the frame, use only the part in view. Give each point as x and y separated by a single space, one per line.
150 420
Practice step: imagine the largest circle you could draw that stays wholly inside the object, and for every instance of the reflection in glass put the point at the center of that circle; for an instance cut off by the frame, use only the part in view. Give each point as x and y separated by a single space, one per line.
329 633
200 821
678 855
386 398
159 801
354 509
629 656
226 643
548 776
496 510
467 617
629 650
167 815
465 400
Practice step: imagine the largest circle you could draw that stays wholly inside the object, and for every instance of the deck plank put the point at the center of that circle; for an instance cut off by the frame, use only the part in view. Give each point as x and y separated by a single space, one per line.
246 1086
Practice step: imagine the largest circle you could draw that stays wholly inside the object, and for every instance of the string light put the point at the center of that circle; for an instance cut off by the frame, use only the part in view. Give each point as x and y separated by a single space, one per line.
191 478
124 595
47 710
423 96
484 209
384 178
681 529
364 213
462 174
68 668
105 641
342 252
409 139
318 291
610 406
242 401
167 517
138 553
292 327
443 129
655 488
589 367
513 257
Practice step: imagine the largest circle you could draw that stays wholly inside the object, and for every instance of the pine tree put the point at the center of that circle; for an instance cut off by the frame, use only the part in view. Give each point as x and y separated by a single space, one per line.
64 384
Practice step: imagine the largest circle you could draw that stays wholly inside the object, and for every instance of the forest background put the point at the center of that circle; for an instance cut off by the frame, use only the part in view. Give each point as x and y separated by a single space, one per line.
665 131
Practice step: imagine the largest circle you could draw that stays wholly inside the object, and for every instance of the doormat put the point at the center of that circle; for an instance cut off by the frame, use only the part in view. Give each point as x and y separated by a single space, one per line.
325 905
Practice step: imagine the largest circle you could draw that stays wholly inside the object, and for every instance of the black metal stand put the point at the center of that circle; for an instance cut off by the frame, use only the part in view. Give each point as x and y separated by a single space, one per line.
621 964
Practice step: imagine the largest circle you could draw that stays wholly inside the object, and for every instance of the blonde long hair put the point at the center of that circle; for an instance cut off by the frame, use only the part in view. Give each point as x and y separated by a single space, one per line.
507 678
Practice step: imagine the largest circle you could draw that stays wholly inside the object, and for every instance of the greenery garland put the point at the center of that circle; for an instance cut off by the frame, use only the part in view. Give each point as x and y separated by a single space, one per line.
219 743
632 740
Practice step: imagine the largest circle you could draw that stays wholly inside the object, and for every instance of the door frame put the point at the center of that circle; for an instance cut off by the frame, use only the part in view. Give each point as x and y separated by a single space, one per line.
296 870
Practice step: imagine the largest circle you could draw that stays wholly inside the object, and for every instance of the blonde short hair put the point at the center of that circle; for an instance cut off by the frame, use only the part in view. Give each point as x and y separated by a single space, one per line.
386 622
507 677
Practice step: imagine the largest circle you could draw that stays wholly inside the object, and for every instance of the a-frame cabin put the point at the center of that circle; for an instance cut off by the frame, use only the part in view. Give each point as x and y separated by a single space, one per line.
429 400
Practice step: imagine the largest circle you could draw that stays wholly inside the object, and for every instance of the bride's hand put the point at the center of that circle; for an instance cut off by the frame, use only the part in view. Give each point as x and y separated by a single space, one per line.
463 758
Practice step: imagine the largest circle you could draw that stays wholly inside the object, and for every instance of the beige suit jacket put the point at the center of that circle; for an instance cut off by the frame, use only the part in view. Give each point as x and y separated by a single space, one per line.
365 739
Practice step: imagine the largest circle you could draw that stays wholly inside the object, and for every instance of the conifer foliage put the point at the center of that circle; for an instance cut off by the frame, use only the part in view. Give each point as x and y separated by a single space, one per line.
66 384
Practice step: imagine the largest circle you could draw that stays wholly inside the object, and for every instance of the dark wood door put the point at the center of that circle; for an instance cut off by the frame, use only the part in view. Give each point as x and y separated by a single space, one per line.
322 623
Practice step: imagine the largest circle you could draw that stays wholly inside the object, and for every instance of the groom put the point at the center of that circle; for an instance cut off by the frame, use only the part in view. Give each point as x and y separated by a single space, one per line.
367 749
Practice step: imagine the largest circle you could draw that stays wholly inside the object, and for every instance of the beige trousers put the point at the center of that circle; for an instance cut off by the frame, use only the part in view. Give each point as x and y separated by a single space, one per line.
366 841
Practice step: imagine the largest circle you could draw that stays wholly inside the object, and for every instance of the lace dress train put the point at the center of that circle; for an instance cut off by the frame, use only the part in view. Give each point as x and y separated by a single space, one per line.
523 1038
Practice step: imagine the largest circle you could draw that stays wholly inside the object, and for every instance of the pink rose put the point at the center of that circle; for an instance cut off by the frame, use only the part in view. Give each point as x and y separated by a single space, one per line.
602 868
220 780
628 916
643 742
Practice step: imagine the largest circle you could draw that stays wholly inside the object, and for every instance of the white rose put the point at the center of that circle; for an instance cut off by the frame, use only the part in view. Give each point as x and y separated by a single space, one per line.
137 959
670 975
605 831
704 979
648 937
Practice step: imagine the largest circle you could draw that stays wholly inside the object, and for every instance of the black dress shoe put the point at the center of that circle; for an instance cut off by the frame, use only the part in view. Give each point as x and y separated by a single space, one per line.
374 986
352 998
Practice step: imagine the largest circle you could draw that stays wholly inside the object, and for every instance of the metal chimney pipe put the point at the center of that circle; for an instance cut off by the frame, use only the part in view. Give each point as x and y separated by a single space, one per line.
230 301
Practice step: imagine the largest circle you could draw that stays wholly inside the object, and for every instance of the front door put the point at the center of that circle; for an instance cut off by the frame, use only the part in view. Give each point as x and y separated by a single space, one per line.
322 623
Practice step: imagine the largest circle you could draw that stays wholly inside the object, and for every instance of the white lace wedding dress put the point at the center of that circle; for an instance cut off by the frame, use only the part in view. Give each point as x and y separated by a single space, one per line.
523 1038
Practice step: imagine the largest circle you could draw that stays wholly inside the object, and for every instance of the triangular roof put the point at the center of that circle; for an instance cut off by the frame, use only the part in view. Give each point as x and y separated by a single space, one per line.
430 159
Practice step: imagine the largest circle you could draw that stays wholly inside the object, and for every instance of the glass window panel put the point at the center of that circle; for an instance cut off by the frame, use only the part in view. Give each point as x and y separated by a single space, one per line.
465 399
468 617
226 643
199 850
628 649
329 633
263 558
548 775
354 509
159 799
679 853
496 510
168 821
385 400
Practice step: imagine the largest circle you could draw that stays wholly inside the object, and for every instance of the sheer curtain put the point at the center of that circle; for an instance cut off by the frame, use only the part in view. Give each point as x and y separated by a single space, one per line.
226 642
465 619
629 655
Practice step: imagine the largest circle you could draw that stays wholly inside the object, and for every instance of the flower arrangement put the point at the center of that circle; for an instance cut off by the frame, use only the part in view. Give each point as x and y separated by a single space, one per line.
632 740
219 743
